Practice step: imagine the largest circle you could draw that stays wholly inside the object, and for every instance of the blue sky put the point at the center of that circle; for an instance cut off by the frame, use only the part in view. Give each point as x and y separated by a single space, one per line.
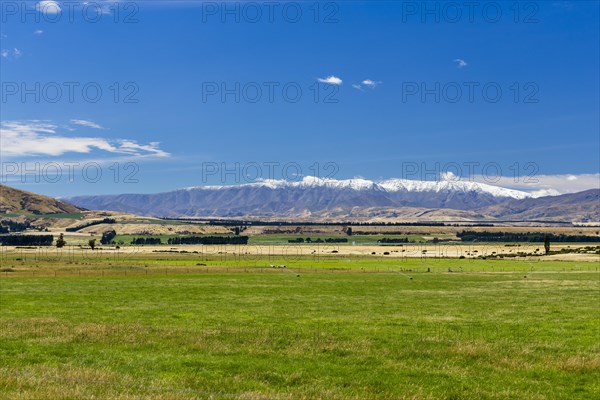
401 85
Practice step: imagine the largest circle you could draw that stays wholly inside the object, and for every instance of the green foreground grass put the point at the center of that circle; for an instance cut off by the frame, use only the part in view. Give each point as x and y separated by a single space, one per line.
490 330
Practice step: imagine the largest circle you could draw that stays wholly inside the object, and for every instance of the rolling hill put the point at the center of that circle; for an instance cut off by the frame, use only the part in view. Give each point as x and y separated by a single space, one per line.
580 207
15 201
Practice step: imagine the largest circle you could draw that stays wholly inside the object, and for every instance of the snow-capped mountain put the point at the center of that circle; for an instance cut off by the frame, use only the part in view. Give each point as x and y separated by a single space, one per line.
402 185
305 197
389 185
306 182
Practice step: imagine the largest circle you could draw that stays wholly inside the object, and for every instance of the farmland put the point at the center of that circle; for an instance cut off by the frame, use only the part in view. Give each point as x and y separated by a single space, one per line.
301 311
175 324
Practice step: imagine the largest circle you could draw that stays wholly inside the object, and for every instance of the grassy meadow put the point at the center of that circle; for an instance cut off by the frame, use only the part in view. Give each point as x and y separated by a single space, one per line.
189 326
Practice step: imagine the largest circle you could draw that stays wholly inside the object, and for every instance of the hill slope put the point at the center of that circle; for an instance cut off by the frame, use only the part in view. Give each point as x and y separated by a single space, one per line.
19 201
580 207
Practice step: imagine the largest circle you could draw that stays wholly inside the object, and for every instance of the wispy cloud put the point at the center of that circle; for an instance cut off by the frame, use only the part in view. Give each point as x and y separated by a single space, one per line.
89 124
38 32
460 63
48 7
8 54
42 138
547 185
371 84
332 80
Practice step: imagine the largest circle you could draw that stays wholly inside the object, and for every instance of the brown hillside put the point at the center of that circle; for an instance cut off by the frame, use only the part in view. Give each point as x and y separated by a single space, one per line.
19 201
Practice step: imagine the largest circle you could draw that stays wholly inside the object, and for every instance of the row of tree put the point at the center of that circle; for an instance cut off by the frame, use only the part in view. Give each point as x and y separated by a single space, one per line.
91 223
108 238
392 240
222 222
471 236
8 225
146 240
318 240
209 240
27 240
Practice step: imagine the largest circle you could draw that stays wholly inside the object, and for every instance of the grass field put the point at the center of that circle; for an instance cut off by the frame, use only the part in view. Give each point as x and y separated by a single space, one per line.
332 328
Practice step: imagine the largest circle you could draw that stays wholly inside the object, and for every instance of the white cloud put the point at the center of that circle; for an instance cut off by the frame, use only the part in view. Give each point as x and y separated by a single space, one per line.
15 53
89 124
545 192
449 176
460 63
105 7
52 7
370 83
547 185
38 32
41 138
48 7
332 80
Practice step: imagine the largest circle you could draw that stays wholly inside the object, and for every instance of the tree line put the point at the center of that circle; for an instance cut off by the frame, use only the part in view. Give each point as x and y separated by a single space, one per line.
471 236
146 241
318 240
27 240
392 240
92 223
209 240
227 222
7 226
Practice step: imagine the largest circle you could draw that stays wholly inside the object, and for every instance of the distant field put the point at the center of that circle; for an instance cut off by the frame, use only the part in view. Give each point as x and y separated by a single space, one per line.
43 260
184 325
357 239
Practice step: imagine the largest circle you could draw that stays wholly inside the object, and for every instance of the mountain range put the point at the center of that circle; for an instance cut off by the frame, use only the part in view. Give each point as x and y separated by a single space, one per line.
338 199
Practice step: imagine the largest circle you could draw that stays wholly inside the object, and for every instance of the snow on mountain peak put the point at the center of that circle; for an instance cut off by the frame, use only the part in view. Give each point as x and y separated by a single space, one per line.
448 183
313 181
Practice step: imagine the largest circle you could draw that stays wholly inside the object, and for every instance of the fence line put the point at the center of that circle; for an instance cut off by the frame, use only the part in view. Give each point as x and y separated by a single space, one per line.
141 272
